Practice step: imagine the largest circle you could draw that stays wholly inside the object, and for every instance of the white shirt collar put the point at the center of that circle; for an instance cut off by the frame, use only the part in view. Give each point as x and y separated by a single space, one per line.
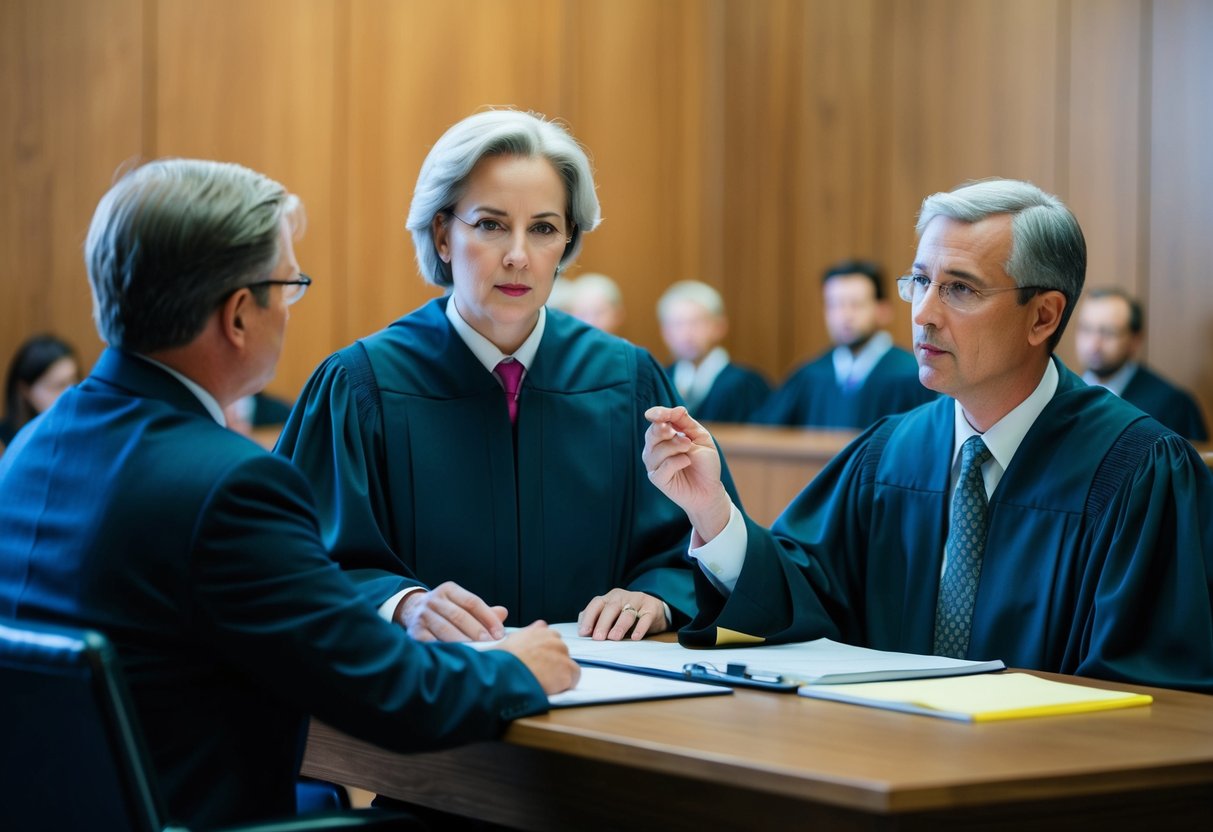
486 351
1117 382
208 401
1005 436
856 367
694 382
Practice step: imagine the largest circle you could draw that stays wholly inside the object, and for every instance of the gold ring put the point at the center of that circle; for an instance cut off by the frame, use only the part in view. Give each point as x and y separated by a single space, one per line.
629 608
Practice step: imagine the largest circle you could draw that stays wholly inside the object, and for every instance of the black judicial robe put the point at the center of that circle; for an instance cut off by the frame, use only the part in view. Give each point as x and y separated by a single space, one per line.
811 396
431 471
1099 559
1166 403
734 396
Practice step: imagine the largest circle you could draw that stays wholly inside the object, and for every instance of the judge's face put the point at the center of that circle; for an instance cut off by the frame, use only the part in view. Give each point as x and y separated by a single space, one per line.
853 314
504 244
1104 342
985 356
690 330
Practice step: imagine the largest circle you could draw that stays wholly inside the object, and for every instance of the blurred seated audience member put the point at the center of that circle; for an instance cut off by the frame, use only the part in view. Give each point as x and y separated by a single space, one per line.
260 410
563 290
1110 333
597 301
694 325
863 376
41 369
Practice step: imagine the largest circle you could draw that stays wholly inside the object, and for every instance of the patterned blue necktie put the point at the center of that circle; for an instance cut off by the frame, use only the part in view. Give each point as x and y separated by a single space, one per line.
966 543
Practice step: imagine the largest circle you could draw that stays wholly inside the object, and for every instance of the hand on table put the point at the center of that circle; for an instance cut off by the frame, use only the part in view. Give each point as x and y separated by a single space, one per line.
448 612
620 612
546 655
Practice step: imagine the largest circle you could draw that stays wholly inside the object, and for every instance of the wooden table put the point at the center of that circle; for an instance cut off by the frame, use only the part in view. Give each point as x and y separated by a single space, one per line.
757 760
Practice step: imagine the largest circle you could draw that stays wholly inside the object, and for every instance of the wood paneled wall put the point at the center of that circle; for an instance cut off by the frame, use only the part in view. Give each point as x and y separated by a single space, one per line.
747 144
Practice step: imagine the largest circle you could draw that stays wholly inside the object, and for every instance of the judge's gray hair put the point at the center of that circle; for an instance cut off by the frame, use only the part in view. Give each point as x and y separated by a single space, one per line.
172 239
445 171
1047 245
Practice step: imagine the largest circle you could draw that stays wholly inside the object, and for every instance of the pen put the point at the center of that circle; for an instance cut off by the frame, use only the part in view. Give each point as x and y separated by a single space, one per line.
738 675
741 670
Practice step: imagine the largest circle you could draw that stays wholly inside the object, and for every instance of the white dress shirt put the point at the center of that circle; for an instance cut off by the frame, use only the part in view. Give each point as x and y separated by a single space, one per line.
695 382
1117 382
852 369
722 558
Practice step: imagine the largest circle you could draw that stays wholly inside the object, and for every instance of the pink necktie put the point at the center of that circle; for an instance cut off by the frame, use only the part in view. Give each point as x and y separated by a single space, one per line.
510 373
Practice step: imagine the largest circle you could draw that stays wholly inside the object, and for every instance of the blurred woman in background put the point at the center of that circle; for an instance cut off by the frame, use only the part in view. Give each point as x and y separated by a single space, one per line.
42 368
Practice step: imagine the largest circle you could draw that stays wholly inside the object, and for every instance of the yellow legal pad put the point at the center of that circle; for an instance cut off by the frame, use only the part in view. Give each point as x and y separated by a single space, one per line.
984 697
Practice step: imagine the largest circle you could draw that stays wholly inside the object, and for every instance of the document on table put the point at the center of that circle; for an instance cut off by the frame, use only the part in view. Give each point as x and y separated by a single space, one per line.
984 698
601 686
820 662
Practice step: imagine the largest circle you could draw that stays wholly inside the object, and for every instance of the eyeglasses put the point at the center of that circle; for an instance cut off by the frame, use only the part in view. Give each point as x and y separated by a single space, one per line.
541 235
955 293
1105 332
292 290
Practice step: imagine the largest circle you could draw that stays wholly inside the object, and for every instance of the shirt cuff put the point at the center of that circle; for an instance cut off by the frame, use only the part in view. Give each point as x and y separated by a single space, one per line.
722 557
387 610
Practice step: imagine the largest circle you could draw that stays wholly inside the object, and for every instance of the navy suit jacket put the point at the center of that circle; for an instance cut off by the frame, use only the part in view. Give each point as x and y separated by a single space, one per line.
735 395
1170 405
127 509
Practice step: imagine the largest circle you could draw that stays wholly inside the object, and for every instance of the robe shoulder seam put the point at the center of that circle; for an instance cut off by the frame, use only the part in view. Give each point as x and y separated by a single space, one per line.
357 364
1124 457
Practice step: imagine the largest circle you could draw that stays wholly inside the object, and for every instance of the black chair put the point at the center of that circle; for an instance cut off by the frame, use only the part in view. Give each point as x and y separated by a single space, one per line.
72 754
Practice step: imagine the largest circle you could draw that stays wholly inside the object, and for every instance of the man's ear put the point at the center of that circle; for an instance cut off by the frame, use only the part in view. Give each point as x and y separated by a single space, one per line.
234 317
1049 307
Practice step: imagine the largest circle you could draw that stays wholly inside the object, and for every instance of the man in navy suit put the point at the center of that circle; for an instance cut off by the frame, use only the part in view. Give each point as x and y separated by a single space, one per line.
864 376
693 325
128 508
1110 324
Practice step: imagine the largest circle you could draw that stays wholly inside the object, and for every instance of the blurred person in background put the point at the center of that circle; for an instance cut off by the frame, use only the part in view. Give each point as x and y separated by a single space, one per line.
693 325
41 369
596 299
1111 327
864 376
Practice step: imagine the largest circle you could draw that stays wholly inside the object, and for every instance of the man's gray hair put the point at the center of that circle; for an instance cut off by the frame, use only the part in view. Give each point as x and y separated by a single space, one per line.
1047 246
694 291
172 239
444 175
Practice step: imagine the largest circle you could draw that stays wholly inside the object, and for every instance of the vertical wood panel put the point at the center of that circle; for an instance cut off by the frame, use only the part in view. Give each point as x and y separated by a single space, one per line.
975 88
253 83
835 163
415 69
70 114
638 103
761 136
1180 290
1106 188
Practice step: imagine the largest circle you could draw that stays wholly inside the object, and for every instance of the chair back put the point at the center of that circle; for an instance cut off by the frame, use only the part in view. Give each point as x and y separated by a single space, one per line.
73 757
